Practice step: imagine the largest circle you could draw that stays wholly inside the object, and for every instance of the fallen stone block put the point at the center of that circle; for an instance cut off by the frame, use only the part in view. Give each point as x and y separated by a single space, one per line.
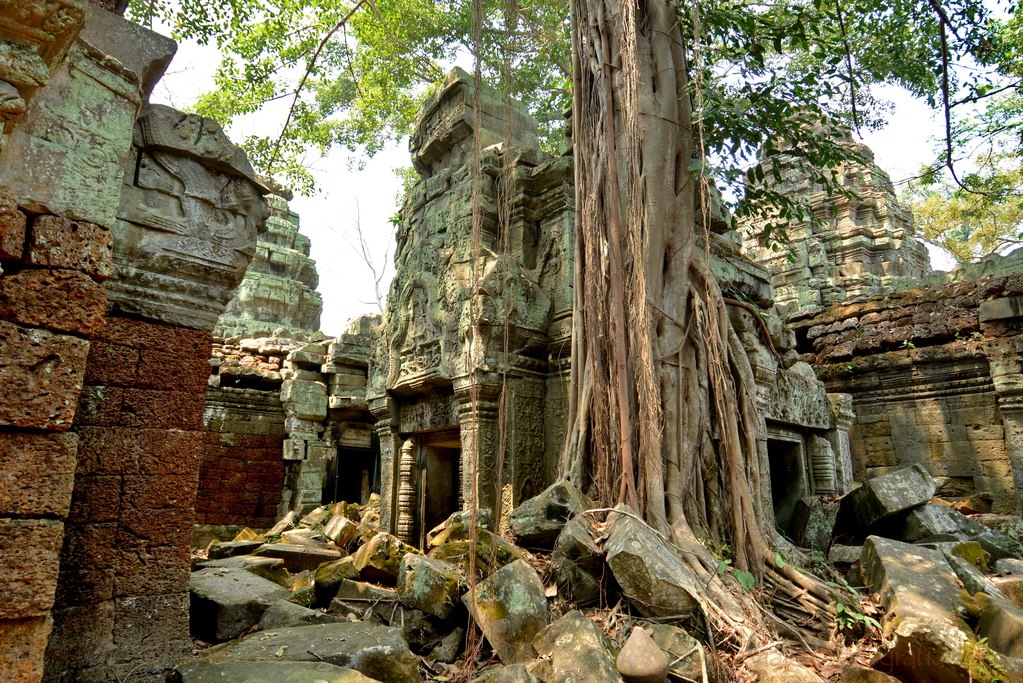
974 580
376 651
574 645
641 659
328 577
772 665
648 570
510 608
682 649
456 527
855 674
340 530
284 614
225 603
814 521
885 496
219 551
286 522
516 673
928 521
269 568
845 554
265 672
364 601
298 558
492 553
1009 566
578 564
428 584
537 522
1001 623
379 559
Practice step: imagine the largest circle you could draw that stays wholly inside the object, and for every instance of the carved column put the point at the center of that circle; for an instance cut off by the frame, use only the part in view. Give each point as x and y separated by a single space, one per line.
1006 363
822 465
186 231
477 420
385 412
842 417
407 492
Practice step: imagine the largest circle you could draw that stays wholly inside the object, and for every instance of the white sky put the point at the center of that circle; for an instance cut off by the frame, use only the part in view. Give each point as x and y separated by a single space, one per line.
370 194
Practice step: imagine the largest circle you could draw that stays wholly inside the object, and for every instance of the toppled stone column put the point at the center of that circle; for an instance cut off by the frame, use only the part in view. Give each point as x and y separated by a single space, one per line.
191 209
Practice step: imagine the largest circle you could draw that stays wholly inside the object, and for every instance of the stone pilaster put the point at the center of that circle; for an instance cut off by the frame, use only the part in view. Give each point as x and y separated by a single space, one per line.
1006 362
842 417
477 399
385 412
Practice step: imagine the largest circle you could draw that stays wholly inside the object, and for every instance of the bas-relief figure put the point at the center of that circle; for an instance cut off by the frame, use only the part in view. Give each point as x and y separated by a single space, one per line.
191 207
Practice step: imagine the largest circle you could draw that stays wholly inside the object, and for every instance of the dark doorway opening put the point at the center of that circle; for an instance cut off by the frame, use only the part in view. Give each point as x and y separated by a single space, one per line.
356 475
439 483
788 481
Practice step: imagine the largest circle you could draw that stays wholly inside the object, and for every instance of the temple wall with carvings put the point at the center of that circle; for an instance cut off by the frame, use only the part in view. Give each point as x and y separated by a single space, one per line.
124 228
935 378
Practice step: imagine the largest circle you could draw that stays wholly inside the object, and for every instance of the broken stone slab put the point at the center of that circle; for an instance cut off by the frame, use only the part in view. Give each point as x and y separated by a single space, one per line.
641 659
922 602
648 570
510 608
1009 566
286 522
997 544
225 603
1007 525
305 537
364 601
855 674
457 526
328 577
375 651
379 559
974 580
428 584
265 672
298 558
845 554
885 496
578 564
269 568
492 553
574 645
303 589
314 517
1001 623
683 651
928 521
218 551
283 614
340 530
450 646
420 630
537 522
813 521
773 666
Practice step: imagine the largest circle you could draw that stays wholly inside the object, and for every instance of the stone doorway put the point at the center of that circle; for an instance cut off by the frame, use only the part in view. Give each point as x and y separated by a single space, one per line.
786 459
354 475
440 454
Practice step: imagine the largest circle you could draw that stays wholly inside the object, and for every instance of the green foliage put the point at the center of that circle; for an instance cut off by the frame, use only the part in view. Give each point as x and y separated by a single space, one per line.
850 619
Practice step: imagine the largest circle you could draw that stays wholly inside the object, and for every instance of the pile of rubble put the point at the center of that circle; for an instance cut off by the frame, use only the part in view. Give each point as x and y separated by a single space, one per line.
330 597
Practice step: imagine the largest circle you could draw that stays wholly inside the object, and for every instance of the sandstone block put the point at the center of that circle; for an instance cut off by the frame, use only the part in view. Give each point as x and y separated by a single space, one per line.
377 652
379 559
578 564
428 584
648 570
30 558
886 495
340 530
269 568
511 609
574 644
537 522
298 558
56 242
641 660
682 650
39 474
328 578
1001 623
24 648
219 551
59 300
364 601
227 602
12 229
772 665
265 672
40 377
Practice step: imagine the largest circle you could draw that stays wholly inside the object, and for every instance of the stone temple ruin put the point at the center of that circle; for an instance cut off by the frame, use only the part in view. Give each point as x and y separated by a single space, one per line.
163 378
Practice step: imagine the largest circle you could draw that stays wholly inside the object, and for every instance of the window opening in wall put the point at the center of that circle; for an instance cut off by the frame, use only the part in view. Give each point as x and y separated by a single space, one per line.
788 481
355 476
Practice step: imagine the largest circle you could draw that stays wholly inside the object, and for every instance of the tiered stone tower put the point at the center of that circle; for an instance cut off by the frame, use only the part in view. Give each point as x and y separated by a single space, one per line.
279 289
857 246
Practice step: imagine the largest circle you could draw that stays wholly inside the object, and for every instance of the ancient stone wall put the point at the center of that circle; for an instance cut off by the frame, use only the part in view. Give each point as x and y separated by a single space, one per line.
935 379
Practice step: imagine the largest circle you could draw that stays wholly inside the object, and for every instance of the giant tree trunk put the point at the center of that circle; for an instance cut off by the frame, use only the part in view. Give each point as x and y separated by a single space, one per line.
663 415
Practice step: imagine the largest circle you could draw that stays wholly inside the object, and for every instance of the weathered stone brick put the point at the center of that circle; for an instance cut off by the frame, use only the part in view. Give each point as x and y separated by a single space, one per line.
12 229
82 636
143 334
99 406
158 491
173 370
97 498
150 571
23 648
156 625
88 546
84 587
58 242
61 300
111 365
121 450
30 551
39 471
154 409
149 528
40 377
